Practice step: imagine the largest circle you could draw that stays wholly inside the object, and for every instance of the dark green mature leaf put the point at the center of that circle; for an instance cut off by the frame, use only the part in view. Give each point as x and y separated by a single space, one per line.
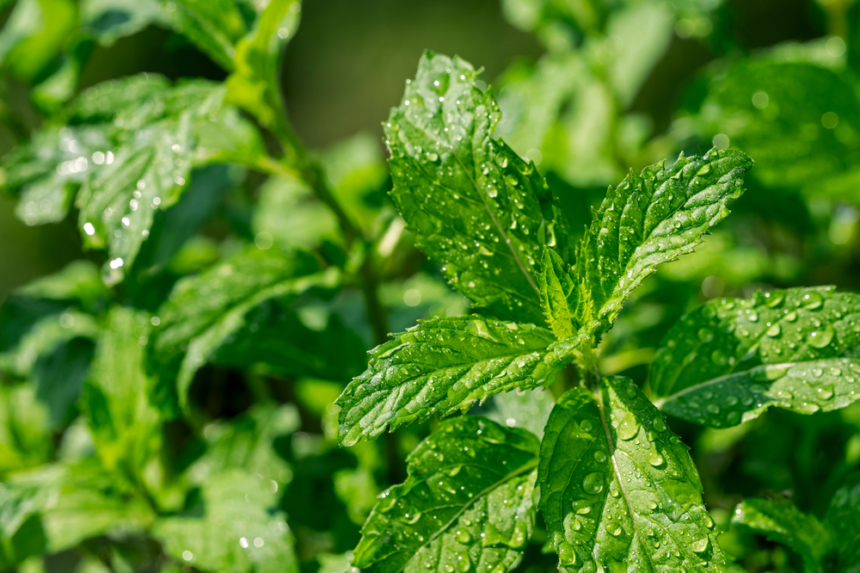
55 507
124 425
46 333
653 218
215 26
843 520
172 228
233 528
466 505
731 359
445 365
275 340
618 488
255 85
477 208
203 311
782 522
44 337
775 110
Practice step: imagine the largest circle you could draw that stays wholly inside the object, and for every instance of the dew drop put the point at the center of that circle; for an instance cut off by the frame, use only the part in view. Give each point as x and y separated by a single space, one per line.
820 338
593 483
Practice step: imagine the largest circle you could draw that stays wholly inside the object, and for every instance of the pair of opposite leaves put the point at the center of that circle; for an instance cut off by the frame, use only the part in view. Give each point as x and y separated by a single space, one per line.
489 219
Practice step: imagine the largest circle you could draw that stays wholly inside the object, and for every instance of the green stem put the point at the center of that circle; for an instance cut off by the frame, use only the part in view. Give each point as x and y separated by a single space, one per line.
837 21
297 162
587 362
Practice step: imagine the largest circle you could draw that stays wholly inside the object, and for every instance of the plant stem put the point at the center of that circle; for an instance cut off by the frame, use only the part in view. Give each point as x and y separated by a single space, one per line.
296 162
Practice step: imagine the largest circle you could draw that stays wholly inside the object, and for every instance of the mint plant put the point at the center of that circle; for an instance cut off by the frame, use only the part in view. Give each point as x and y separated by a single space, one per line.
587 373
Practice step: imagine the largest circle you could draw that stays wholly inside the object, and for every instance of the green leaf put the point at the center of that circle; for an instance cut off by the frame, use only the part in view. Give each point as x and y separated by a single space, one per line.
782 522
46 333
232 529
25 438
648 29
131 147
55 507
172 228
110 20
560 295
618 488
779 124
34 34
103 102
54 355
528 410
476 207
466 504
46 173
45 336
215 26
654 218
150 171
289 212
445 365
247 443
731 359
203 311
276 340
115 399
77 283
843 520
357 174
255 84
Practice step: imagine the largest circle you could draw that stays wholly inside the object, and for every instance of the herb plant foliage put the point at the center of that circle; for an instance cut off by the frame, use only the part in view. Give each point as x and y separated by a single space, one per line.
200 405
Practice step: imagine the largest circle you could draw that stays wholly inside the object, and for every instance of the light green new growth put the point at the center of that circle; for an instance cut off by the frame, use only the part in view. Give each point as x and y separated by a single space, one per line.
559 295
124 425
235 529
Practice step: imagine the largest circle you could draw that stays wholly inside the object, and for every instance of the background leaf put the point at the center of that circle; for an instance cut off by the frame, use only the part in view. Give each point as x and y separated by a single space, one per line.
203 311
231 529
782 522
